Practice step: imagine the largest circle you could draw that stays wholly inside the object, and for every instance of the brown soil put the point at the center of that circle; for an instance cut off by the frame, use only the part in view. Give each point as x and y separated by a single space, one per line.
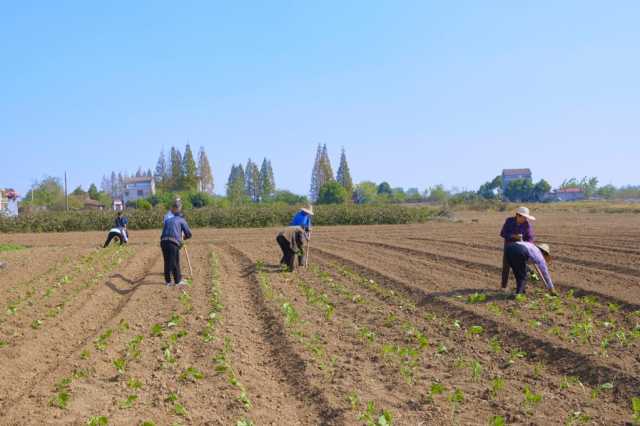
382 316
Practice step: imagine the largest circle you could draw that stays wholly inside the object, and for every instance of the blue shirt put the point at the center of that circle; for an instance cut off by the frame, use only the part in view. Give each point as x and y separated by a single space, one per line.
301 219
173 228
121 221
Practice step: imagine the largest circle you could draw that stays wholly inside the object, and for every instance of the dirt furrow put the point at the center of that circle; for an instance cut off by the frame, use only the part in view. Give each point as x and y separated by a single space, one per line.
285 367
560 359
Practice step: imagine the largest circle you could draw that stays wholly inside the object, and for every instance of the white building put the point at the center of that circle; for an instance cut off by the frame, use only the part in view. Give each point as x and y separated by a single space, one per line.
138 187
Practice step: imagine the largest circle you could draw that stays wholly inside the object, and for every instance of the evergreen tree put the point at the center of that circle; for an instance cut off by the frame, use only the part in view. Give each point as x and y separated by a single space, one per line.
189 178
120 185
204 172
252 181
267 184
105 185
325 167
162 172
93 192
176 169
114 185
236 184
314 192
149 174
344 175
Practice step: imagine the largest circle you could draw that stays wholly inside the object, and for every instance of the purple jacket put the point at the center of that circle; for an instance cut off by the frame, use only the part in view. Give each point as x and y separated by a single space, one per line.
511 227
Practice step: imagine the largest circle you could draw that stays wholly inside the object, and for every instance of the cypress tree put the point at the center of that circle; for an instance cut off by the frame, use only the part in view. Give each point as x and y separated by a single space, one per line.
189 178
176 170
204 172
267 184
252 181
344 174
314 192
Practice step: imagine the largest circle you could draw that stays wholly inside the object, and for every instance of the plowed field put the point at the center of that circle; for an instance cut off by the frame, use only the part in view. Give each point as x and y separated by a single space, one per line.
402 325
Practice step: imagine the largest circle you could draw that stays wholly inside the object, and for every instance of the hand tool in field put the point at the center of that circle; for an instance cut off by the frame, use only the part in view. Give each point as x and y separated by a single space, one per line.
306 255
186 253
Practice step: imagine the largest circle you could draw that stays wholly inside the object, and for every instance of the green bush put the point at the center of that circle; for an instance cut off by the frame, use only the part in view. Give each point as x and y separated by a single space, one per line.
244 216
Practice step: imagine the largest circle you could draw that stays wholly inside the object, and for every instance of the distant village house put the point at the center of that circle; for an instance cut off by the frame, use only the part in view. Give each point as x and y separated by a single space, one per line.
136 188
509 175
568 194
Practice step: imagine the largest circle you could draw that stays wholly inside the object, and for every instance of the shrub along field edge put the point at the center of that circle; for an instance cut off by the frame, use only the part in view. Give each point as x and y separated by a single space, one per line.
246 216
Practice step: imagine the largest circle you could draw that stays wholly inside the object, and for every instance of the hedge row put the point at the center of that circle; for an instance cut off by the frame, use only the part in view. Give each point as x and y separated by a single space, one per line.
247 216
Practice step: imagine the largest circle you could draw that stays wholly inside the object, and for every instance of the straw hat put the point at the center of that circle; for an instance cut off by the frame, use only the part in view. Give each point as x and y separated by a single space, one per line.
524 212
544 248
308 210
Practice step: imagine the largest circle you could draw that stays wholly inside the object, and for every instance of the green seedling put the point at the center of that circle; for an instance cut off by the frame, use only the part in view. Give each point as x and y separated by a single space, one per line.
477 298
174 321
36 324
121 365
577 418
366 334
476 330
123 325
98 421
354 400
595 392
435 389
516 354
390 320
147 423
156 330
3 343
180 410
497 385
244 399
244 422
497 421
128 403
494 344
476 370
456 398
531 399
521 298
172 397
134 384
60 400
635 407
191 375
102 340
291 315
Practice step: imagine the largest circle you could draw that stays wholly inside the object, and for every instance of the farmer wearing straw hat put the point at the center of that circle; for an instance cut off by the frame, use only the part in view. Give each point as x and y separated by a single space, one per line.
292 239
519 254
516 228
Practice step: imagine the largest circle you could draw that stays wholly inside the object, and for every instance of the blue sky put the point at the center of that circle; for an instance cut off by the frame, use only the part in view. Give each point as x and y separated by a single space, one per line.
418 93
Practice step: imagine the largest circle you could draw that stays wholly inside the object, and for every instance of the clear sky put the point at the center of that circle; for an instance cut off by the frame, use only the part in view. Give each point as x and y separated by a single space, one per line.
418 93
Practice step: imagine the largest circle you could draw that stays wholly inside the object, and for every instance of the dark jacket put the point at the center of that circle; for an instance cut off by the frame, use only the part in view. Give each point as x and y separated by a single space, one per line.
296 237
174 228
511 227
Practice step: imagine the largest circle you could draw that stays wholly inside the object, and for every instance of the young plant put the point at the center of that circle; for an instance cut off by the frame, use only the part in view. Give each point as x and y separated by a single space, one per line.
497 385
98 421
134 384
121 365
191 374
128 403
635 407
531 399
435 389
477 298
476 370
497 421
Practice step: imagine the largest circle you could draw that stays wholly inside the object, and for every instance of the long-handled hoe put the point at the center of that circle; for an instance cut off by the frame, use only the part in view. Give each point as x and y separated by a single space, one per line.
186 253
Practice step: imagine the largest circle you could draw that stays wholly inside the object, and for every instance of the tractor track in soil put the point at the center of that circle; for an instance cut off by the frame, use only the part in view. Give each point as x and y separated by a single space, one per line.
562 360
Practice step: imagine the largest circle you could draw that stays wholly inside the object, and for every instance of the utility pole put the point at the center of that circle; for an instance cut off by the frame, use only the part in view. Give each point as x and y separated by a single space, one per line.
66 193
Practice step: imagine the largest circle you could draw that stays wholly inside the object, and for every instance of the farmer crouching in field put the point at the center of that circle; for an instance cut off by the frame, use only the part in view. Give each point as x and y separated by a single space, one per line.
174 227
518 255
516 228
118 233
294 238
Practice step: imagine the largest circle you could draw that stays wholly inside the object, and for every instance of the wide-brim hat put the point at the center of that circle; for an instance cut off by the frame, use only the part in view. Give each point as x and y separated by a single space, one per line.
308 210
544 248
524 212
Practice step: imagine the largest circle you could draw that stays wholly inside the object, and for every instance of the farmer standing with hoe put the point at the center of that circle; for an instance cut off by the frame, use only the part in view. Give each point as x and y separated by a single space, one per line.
515 228
292 239
173 229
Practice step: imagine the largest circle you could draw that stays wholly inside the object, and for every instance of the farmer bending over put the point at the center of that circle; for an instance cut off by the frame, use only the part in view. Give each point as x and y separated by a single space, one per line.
516 228
171 241
518 254
119 233
292 239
